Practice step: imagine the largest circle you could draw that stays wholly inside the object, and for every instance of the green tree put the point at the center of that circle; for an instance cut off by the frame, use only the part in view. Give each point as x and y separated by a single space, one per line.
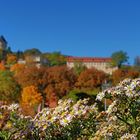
118 58
55 58
8 50
19 54
32 51
9 89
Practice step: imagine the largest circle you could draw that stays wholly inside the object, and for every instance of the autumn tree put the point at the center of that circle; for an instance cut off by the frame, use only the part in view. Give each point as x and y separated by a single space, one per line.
30 99
9 89
11 59
60 78
132 73
2 66
29 76
31 96
121 74
16 68
90 79
51 96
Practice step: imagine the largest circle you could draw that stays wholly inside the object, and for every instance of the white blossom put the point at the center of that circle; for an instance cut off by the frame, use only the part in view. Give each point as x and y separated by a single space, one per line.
128 136
13 107
100 96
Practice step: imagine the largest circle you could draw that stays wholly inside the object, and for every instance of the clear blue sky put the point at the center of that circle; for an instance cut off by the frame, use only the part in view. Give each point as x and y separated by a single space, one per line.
74 27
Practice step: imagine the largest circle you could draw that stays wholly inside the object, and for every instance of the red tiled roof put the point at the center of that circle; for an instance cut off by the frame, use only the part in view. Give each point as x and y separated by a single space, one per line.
88 59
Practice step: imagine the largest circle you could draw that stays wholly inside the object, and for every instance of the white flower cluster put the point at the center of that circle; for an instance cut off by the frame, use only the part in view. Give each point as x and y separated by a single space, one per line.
128 136
122 113
100 96
64 113
4 107
13 107
112 108
106 131
127 87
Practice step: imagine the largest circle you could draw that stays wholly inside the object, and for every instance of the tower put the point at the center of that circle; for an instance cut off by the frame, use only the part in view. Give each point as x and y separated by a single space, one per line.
3 43
3 47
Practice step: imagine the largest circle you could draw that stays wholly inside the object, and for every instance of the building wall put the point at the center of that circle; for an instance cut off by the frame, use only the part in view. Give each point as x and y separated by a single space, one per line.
33 60
1 45
104 66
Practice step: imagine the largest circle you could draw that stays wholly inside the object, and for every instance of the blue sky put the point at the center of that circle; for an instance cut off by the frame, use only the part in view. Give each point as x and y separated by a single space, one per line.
74 27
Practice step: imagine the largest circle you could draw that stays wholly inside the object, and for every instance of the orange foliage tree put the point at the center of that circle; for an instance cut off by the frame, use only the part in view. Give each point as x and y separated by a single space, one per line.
90 79
2 67
29 76
121 74
133 74
16 68
60 78
51 97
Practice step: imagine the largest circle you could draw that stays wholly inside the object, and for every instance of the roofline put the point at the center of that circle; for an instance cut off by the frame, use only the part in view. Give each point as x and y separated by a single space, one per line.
89 59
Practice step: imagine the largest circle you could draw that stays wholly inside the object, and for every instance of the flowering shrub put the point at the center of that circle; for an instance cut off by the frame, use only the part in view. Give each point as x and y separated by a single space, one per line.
80 120
67 120
12 122
122 117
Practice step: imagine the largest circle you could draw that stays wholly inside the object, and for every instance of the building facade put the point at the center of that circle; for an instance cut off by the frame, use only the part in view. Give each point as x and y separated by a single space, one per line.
92 62
36 60
3 43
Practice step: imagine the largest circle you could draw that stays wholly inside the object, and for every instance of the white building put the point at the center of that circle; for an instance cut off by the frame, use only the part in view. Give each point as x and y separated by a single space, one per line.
90 62
36 60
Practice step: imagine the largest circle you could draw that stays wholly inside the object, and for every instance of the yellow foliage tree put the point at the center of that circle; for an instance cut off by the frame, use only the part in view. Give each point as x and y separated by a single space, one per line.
31 96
